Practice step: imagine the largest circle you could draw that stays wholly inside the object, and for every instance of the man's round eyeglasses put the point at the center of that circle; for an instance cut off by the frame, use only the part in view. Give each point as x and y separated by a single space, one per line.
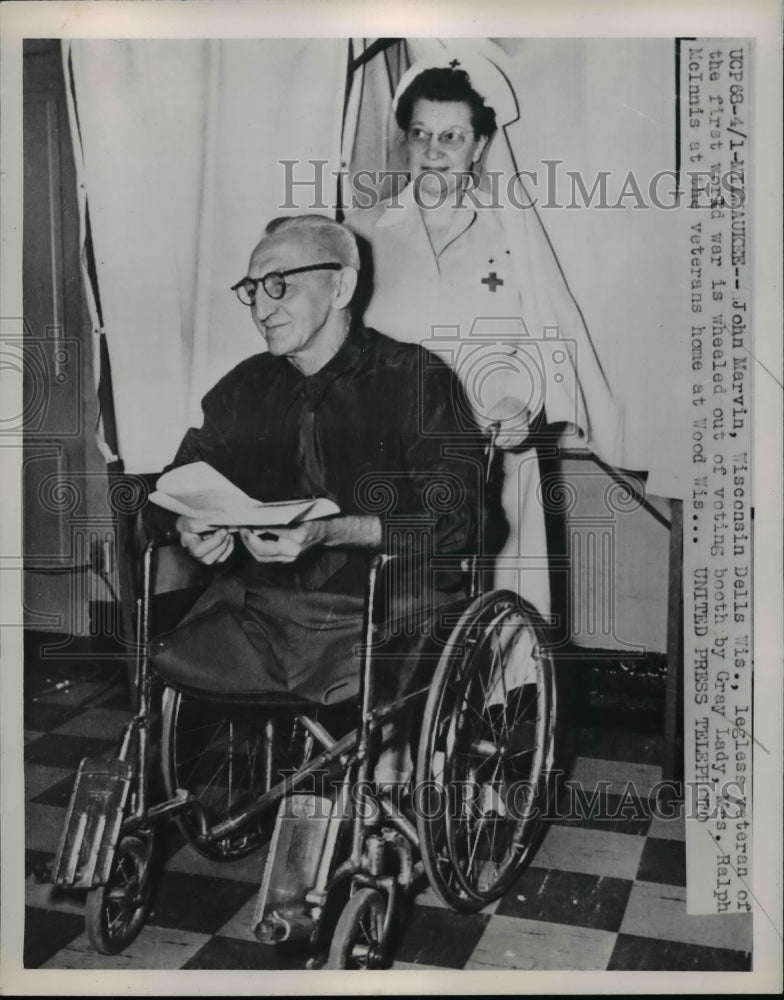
274 283
451 138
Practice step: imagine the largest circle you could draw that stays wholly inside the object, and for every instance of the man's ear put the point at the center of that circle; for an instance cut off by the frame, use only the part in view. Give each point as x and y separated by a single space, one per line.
345 287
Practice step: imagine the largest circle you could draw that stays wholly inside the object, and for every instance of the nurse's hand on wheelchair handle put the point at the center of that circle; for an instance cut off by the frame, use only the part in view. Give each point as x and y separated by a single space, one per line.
207 544
508 423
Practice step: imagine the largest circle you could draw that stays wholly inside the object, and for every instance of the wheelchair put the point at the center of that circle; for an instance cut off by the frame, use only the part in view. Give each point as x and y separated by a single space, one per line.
345 850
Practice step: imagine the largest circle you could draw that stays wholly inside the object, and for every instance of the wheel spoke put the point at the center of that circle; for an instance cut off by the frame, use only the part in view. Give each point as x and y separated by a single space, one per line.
358 938
458 697
486 726
219 755
114 913
523 706
202 751
482 822
497 666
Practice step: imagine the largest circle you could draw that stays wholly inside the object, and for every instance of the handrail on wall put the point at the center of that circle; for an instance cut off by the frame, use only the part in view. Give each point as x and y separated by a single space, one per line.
625 479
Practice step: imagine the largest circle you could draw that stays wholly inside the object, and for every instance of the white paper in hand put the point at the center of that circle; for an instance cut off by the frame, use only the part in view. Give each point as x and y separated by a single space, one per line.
201 492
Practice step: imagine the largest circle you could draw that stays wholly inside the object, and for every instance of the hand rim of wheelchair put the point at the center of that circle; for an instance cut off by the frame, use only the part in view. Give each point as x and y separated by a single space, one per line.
222 734
448 866
115 913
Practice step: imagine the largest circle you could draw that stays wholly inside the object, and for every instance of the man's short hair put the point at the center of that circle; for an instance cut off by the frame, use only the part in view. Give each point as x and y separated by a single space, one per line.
330 236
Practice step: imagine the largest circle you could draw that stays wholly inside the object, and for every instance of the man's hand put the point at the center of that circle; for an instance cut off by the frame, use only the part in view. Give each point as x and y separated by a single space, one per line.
286 545
283 545
207 544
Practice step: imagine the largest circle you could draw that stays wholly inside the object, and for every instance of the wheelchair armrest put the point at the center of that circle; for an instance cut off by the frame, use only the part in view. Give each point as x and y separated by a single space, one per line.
169 584
413 582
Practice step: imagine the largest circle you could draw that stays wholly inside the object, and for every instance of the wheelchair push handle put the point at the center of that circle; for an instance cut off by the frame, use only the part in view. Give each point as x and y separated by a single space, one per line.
491 446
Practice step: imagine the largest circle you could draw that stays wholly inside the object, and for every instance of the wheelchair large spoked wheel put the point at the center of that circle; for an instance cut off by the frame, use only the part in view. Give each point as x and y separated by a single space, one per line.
485 758
227 757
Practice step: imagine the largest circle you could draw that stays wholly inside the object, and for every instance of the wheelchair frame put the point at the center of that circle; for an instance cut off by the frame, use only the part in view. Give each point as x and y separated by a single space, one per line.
107 842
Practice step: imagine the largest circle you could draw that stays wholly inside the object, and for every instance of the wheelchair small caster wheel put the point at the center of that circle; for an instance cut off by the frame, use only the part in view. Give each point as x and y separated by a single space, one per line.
359 933
115 912
42 873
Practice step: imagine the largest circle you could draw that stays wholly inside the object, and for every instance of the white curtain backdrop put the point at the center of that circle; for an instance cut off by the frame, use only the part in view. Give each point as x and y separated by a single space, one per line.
180 144
609 105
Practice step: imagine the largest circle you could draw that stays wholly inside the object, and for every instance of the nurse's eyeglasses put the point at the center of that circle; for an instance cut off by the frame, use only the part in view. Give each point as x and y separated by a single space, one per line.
274 283
451 138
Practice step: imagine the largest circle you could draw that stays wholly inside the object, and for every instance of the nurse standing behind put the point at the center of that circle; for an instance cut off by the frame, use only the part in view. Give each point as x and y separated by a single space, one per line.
449 274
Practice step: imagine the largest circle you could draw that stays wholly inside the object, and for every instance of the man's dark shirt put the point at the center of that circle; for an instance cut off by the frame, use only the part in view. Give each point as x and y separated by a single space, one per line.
392 436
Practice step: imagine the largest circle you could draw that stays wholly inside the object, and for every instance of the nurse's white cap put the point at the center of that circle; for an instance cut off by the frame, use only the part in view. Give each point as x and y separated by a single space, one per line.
487 78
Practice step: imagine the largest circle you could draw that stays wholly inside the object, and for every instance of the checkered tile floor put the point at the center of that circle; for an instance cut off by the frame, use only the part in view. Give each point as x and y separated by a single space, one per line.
600 894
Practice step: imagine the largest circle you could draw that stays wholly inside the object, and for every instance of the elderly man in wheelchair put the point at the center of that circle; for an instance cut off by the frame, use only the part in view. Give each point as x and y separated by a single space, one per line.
343 684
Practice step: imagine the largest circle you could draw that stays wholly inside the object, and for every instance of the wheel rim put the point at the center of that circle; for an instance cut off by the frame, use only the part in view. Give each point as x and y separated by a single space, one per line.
497 747
125 895
365 948
488 749
357 943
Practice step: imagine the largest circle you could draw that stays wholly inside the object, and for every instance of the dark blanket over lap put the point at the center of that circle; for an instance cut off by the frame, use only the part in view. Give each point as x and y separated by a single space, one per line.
240 640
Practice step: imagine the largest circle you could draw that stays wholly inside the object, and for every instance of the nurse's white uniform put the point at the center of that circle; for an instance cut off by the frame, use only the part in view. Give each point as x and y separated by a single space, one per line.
465 304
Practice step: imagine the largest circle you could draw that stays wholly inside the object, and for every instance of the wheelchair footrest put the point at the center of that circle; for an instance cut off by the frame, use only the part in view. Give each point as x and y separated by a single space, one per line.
292 867
92 824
